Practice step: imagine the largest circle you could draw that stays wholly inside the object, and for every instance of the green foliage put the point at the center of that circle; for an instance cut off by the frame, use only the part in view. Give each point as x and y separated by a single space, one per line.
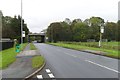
55 32
111 31
82 31
12 27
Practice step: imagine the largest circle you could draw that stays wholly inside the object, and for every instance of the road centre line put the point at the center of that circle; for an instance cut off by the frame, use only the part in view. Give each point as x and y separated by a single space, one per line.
102 66
95 63
66 53
70 54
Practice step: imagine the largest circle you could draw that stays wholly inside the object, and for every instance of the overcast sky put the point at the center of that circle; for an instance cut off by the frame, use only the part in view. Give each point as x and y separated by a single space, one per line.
38 14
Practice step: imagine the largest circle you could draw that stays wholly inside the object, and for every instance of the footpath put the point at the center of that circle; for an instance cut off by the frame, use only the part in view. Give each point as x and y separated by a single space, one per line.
22 67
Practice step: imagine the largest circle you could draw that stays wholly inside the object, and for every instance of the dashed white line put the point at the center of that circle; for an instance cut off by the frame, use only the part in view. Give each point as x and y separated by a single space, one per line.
48 70
70 54
39 77
51 75
102 66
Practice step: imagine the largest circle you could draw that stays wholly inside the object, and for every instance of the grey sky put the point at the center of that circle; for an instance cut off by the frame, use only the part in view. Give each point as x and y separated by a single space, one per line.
38 14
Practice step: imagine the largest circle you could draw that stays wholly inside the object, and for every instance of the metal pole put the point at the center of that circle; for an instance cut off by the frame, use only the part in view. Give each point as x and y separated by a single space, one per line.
100 39
21 24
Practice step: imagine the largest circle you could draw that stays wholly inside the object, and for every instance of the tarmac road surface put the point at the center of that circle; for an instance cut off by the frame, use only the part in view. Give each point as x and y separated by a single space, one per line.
68 63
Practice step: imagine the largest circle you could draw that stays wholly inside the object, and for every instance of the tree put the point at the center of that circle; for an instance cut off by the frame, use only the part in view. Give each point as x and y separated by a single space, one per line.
6 28
55 32
118 31
110 31
67 34
95 27
80 31
12 27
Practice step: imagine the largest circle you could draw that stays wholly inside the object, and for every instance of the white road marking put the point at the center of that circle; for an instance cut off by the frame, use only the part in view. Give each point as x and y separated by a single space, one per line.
48 70
39 77
103 66
70 54
51 75
73 55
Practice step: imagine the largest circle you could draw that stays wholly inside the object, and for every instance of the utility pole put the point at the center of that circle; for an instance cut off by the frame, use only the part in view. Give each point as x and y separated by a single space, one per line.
21 24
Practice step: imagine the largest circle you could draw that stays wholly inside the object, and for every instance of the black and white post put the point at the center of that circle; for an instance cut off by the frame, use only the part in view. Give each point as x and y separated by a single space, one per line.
101 32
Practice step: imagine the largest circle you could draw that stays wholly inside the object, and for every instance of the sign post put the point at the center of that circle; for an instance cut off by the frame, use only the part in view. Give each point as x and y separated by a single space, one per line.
23 33
101 32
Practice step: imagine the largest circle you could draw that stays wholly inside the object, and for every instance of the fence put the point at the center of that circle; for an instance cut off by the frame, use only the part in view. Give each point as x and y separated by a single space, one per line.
6 44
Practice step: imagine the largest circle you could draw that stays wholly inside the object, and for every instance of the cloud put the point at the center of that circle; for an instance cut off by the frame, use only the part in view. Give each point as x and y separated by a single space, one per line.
38 14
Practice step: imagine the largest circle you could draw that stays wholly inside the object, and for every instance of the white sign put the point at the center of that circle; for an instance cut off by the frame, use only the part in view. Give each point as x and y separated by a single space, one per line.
23 34
102 30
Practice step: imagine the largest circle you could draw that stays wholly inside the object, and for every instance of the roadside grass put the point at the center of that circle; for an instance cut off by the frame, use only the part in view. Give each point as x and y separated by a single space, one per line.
32 47
23 46
8 56
37 61
109 52
105 45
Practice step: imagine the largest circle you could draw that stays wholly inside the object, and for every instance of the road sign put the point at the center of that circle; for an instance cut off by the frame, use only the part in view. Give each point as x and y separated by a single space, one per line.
102 30
23 33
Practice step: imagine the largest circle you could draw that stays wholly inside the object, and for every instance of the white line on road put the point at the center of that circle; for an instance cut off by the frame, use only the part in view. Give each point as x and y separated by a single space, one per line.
103 66
39 77
70 54
51 75
48 70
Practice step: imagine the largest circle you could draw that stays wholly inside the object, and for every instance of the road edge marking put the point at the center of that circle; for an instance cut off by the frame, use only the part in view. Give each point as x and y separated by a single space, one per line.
48 70
102 66
51 75
39 76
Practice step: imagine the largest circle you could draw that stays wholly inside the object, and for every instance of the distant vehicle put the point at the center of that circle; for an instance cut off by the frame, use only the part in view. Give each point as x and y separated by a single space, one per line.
34 41
38 41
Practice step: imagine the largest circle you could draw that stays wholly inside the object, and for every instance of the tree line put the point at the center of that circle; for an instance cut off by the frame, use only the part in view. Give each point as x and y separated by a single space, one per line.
78 30
11 27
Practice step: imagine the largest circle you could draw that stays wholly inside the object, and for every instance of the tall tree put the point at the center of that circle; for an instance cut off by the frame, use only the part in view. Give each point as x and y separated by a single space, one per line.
12 27
80 32
95 27
110 31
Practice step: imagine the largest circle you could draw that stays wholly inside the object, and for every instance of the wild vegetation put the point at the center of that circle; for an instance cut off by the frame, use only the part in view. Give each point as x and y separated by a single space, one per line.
82 31
110 50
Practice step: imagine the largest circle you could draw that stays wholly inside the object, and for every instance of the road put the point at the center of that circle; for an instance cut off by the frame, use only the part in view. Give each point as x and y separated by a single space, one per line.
68 63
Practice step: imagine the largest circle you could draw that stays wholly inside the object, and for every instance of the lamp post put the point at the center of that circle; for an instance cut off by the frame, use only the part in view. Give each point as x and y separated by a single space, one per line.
101 32
21 25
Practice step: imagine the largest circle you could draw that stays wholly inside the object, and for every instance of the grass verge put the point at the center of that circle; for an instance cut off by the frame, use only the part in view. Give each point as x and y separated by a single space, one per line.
8 56
109 52
37 61
23 46
32 47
